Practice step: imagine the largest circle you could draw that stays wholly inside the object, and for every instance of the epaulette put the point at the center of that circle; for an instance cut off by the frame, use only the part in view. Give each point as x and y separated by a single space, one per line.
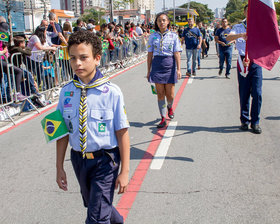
67 84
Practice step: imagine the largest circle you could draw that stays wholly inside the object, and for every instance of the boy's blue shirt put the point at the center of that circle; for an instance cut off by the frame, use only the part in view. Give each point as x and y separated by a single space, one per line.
106 114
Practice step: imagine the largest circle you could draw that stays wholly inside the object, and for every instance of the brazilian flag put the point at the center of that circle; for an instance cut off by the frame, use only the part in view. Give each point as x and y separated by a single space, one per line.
54 126
4 37
60 54
126 39
154 91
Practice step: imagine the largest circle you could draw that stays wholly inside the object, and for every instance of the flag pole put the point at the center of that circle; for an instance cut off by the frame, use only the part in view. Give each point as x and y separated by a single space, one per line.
246 49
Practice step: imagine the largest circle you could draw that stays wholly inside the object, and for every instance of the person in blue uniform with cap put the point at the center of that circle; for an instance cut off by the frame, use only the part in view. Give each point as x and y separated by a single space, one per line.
250 84
164 66
94 112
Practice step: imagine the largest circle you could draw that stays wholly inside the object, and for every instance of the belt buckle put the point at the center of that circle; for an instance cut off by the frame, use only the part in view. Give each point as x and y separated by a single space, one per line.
89 155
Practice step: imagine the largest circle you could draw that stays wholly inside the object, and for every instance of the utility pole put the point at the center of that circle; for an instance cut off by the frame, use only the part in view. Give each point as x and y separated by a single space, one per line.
45 9
32 14
189 8
111 11
174 19
163 5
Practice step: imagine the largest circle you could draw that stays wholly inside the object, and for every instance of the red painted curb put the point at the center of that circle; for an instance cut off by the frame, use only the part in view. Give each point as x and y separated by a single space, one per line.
126 201
28 119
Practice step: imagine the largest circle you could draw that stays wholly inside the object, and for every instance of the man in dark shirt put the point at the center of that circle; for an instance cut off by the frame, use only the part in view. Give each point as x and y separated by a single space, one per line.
79 25
59 38
193 39
225 47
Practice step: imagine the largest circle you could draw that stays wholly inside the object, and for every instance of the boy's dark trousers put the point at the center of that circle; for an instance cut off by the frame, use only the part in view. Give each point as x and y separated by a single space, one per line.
251 85
97 179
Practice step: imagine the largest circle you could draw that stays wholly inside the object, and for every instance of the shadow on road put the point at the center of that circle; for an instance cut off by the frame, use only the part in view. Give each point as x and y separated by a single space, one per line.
136 153
209 77
140 124
273 118
272 79
194 129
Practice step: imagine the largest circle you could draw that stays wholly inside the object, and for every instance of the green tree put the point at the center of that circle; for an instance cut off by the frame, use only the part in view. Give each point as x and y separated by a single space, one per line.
235 10
121 3
205 14
277 7
94 14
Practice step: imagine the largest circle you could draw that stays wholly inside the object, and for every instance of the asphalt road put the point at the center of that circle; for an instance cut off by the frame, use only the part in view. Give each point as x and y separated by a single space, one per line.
212 173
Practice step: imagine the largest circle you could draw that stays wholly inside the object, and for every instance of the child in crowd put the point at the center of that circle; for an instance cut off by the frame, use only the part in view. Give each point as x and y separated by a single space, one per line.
94 112
30 86
49 74
4 27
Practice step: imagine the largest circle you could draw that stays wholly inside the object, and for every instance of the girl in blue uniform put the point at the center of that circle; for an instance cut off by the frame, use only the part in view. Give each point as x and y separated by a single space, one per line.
164 64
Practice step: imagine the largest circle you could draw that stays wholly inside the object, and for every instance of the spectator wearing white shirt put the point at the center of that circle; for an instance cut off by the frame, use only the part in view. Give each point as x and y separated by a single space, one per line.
139 30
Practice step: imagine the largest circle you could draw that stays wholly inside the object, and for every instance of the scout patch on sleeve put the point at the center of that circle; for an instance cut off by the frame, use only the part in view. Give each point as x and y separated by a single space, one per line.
101 127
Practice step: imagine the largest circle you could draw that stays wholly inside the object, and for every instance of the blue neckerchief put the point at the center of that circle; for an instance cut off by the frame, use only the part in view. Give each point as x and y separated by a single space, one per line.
97 80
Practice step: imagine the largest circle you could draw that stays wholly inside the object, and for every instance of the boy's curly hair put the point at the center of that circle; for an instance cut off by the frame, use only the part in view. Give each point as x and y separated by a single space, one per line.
86 37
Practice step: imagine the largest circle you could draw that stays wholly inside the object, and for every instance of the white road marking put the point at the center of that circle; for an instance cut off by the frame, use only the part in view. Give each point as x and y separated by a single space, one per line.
164 146
190 80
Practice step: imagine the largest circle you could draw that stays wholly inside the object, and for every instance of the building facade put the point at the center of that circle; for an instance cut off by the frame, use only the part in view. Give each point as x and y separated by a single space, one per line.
34 12
16 9
143 5
219 13
79 6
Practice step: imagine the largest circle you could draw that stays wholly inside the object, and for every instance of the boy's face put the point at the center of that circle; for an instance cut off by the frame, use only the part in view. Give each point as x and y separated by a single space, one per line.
22 44
83 62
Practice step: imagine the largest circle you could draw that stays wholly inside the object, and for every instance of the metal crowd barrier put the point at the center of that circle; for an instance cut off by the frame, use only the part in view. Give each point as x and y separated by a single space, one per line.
8 88
122 55
45 72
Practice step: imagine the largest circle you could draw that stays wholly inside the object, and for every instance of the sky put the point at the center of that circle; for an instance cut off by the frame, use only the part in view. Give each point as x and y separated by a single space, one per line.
212 4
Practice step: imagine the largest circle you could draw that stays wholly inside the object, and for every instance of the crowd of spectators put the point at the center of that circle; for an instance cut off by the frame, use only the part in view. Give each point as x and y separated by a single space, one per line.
40 68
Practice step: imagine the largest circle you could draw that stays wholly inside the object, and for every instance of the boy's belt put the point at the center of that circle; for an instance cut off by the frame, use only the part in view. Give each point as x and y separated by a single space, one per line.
101 152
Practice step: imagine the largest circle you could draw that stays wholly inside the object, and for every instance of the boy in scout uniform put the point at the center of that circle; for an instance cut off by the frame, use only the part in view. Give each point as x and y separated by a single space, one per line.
94 112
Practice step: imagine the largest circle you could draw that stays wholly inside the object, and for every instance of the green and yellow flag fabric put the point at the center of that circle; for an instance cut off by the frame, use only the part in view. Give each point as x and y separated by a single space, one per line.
54 126
60 54
154 91
4 37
